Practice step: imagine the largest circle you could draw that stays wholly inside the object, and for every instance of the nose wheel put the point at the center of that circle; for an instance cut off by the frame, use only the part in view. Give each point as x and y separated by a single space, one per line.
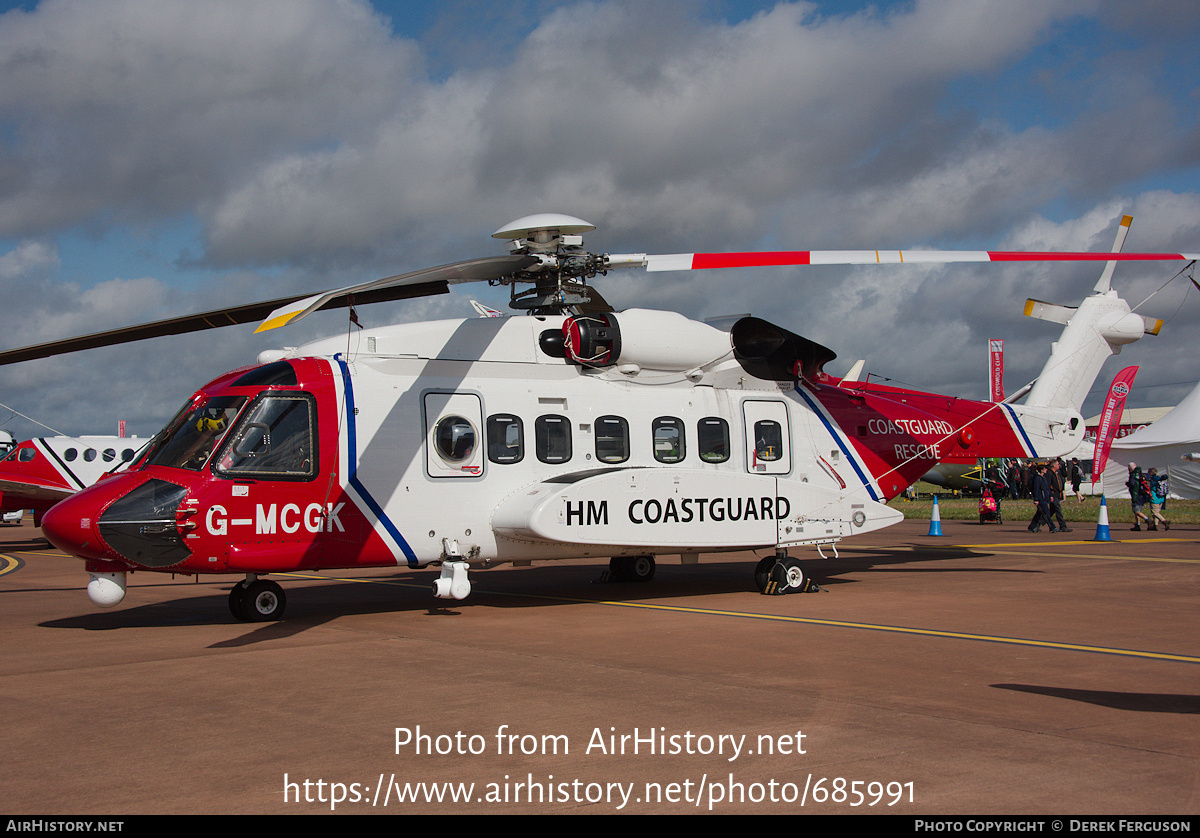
257 601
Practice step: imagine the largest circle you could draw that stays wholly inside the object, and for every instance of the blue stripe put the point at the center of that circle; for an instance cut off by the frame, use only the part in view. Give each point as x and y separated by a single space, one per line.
352 453
838 439
1021 431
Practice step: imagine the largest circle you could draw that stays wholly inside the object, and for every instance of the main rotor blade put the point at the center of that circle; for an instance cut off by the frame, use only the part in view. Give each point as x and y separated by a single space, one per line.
705 261
250 313
471 270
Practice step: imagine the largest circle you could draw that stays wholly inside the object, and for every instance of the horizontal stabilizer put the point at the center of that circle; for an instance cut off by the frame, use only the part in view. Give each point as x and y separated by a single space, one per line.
1063 314
1049 311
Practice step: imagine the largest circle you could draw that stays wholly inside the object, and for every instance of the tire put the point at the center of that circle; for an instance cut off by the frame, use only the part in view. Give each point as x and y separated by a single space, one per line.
237 601
794 572
631 568
263 601
762 573
641 568
618 568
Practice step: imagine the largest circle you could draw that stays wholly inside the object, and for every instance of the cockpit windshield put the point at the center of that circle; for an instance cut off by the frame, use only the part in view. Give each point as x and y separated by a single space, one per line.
188 442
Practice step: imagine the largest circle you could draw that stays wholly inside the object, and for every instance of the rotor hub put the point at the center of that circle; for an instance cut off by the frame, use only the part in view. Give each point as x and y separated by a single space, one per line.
559 277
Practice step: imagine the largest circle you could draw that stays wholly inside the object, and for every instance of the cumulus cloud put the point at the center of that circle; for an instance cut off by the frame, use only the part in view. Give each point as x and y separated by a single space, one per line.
136 110
28 258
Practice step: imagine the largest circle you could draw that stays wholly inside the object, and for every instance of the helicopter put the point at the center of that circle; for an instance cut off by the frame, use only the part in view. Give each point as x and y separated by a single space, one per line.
573 432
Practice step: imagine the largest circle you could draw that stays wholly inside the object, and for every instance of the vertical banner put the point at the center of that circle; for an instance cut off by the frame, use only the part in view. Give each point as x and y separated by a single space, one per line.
996 369
1110 418
121 428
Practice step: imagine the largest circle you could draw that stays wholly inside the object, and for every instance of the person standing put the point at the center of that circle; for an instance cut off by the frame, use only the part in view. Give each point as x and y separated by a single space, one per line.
1076 475
1139 496
1040 489
1055 479
1158 498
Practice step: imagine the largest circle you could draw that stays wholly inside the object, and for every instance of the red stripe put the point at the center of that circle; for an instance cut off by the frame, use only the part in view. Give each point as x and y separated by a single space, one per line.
749 260
1019 256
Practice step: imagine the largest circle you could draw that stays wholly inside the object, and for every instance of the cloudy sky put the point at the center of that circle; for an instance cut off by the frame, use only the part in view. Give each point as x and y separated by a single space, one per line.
160 157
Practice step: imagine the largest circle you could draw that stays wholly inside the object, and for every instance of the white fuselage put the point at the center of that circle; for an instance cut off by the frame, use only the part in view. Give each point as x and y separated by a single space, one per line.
565 463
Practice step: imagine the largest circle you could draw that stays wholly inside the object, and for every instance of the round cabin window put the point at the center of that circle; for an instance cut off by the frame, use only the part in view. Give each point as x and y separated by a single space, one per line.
454 438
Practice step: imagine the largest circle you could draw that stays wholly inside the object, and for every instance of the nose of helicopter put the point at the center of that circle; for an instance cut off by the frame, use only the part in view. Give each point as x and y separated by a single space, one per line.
125 518
68 526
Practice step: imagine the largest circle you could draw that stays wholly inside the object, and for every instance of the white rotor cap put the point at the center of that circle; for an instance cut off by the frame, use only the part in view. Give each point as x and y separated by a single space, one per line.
566 225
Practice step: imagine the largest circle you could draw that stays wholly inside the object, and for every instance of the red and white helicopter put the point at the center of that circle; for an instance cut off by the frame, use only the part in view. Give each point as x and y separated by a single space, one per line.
573 432
37 473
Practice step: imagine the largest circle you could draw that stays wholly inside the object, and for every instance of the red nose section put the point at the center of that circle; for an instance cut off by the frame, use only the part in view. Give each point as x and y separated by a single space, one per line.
127 518
70 525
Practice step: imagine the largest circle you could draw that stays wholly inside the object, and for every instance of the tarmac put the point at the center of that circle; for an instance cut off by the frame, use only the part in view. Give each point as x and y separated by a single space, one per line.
988 671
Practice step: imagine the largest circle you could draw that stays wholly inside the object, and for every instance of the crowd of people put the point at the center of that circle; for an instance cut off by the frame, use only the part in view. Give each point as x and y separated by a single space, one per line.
1045 483
1015 480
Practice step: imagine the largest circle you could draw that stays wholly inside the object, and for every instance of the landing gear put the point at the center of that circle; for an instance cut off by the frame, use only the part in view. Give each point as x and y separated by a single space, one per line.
781 574
257 601
631 568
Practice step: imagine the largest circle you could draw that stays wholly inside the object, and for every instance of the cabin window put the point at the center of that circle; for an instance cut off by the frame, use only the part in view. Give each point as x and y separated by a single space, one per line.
454 438
26 455
612 439
505 438
668 439
275 438
70 454
127 455
89 455
552 438
109 455
768 440
712 438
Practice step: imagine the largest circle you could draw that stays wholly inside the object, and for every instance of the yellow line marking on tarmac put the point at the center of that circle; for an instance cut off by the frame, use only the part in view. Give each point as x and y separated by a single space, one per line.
782 618
1094 556
993 548
8 563
1089 541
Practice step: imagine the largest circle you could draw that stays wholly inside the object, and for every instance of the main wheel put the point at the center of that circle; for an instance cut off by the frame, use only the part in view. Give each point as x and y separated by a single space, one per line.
618 568
641 568
786 573
762 573
794 573
631 568
237 601
263 601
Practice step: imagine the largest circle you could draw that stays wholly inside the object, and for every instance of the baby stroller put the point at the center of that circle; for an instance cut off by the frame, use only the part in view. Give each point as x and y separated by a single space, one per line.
989 508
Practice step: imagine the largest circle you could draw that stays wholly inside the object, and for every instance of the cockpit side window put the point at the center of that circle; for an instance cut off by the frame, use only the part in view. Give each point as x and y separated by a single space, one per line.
191 440
275 439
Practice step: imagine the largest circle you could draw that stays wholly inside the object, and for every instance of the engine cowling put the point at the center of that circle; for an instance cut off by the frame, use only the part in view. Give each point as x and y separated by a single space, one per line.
658 340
